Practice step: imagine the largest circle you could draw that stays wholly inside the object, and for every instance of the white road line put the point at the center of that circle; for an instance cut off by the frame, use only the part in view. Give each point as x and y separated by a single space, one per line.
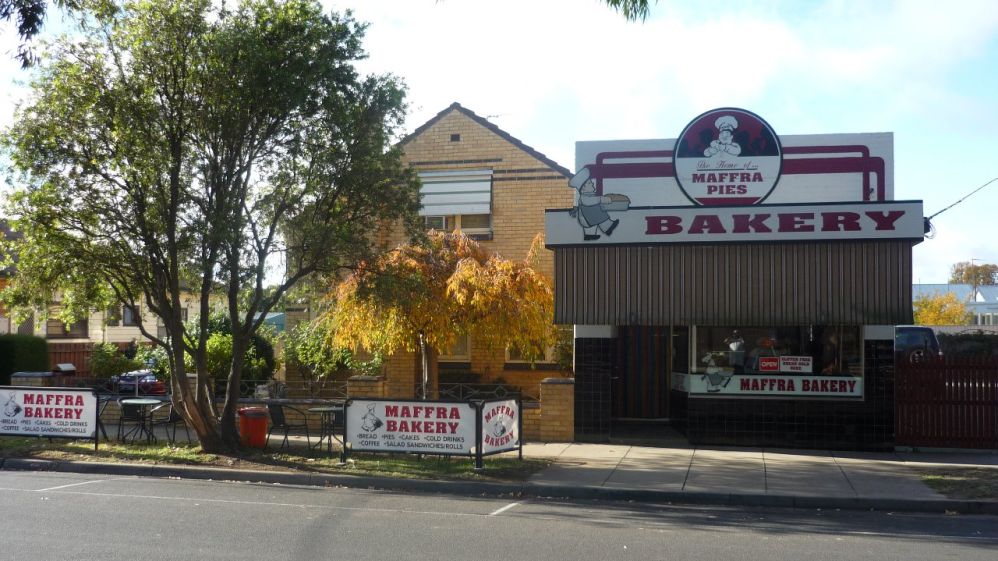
503 509
72 485
199 501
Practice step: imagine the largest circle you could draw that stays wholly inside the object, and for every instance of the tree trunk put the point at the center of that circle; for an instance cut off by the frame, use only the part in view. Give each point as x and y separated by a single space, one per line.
425 363
229 433
195 404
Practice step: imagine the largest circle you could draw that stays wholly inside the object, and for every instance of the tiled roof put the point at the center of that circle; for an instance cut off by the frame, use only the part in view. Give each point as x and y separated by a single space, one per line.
492 127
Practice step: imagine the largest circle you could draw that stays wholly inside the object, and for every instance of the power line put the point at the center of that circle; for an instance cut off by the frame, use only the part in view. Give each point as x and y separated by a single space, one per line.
962 199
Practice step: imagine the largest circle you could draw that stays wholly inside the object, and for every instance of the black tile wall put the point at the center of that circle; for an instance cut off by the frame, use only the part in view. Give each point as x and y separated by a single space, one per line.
821 424
595 361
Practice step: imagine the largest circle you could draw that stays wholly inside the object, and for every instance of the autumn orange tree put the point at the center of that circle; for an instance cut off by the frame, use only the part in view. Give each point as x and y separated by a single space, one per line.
426 295
940 309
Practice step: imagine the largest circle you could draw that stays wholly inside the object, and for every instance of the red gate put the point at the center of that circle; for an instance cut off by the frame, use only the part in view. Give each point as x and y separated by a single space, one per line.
947 403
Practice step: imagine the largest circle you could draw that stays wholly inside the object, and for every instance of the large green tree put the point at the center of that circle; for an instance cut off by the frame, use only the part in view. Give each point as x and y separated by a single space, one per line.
181 146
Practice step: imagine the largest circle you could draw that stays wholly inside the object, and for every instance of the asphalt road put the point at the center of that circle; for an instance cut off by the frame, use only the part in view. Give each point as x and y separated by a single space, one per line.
79 516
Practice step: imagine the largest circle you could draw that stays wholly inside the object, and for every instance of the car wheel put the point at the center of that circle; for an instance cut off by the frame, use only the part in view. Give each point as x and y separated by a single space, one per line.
917 356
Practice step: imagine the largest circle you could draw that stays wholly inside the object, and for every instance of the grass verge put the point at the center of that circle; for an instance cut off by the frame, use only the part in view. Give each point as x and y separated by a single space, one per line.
963 483
497 468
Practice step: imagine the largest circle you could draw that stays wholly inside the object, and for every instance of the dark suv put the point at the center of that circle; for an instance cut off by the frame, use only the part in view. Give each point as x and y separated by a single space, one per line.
915 343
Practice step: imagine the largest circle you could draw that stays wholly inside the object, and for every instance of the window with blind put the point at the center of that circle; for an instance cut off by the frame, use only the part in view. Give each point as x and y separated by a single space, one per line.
457 200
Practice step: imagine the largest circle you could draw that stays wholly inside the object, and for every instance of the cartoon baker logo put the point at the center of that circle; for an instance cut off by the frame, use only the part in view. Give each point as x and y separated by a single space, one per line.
592 210
371 421
11 407
728 157
500 425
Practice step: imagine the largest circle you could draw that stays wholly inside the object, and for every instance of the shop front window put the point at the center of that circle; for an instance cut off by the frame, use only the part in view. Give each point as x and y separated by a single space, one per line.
813 360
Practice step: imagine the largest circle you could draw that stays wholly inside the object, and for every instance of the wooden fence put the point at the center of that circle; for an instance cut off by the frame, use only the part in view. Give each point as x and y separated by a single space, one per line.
77 354
947 403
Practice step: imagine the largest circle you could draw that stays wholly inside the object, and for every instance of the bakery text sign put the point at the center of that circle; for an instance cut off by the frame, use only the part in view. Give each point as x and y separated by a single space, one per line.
51 412
717 224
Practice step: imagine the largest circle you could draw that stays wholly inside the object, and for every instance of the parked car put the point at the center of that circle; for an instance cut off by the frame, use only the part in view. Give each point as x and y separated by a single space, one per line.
147 382
915 343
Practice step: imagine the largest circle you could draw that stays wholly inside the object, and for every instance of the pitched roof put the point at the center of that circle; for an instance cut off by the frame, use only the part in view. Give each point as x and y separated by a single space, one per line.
987 295
492 127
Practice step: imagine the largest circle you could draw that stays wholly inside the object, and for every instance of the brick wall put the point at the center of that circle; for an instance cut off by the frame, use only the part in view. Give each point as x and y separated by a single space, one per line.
366 386
557 422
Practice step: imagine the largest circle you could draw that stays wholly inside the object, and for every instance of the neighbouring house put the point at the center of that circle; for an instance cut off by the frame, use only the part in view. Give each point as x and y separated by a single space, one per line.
481 180
118 324
981 302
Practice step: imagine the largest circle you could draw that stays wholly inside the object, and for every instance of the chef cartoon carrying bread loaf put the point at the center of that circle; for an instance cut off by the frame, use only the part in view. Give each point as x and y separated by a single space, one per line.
591 209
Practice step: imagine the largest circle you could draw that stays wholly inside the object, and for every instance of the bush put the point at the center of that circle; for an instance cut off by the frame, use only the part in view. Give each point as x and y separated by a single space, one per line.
107 361
261 361
976 344
155 359
22 353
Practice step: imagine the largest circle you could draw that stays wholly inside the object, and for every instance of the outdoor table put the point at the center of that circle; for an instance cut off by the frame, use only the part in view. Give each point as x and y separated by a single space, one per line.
143 404
327 425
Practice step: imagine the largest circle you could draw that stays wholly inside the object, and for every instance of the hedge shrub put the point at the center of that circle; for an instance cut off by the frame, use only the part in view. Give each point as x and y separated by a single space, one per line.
22 353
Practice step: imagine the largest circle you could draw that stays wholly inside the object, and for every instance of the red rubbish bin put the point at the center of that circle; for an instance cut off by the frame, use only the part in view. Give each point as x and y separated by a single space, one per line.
253 427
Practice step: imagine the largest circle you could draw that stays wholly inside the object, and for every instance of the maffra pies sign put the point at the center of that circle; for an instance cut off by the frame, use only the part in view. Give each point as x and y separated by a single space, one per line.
50 412
755 223
737 181
727 157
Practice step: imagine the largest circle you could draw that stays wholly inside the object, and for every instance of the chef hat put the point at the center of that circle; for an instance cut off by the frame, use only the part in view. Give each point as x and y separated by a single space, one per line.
580 178
726 122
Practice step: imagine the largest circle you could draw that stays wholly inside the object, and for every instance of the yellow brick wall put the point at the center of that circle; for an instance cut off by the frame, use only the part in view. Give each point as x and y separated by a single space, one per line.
531 424
366 386
518 201
557 422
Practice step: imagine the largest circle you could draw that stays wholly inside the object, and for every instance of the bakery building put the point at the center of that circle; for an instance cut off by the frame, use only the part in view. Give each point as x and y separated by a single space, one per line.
735 286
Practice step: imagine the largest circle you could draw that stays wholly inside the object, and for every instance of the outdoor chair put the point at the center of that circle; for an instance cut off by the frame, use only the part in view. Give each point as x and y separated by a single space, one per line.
170 420
130 415
280 421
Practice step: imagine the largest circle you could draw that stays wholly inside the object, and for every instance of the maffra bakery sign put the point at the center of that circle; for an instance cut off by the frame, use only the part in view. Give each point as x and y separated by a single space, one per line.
49 412
428 427
729 178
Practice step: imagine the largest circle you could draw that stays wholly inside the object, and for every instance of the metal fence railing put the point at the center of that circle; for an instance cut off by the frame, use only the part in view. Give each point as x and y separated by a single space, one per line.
950 402
466 391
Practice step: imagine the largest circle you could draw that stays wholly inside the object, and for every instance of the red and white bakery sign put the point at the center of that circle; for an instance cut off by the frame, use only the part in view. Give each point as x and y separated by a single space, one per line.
729 178
52 412
727 157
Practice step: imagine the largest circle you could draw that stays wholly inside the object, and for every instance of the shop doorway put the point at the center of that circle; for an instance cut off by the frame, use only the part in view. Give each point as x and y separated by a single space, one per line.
641 411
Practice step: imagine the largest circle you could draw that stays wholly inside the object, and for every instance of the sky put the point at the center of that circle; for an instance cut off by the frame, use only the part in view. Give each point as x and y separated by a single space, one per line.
553 72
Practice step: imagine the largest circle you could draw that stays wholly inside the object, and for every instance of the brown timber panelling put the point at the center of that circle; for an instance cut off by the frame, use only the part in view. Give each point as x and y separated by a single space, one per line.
77 354
858 283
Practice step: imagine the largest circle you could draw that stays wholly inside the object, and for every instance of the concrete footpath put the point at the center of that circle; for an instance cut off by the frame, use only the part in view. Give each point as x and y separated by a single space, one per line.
703 476
758 477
